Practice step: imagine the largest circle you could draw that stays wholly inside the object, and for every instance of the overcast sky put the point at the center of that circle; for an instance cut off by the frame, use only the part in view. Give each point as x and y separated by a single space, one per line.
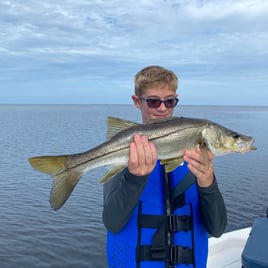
88 51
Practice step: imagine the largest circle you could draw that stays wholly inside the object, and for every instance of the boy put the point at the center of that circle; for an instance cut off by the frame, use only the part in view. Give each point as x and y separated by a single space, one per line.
155 219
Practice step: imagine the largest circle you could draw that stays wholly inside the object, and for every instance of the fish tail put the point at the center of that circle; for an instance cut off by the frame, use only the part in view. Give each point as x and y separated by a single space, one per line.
64 180
48 164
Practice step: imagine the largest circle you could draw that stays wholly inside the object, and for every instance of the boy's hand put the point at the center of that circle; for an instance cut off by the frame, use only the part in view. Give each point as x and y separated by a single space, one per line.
200 163
142 156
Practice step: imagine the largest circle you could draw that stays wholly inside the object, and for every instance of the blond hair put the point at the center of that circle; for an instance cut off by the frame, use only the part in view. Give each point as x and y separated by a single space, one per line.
154 76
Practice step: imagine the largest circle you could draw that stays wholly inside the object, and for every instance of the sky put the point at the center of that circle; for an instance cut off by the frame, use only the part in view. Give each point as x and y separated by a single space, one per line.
88 51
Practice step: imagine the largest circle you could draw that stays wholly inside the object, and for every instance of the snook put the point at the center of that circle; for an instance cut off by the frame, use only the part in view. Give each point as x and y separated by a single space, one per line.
171 137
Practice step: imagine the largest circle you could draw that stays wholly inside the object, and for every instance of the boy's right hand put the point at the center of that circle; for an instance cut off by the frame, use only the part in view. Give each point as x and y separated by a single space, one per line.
142 156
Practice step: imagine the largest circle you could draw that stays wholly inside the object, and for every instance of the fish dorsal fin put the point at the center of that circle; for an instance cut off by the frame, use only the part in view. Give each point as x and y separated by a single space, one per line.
116 125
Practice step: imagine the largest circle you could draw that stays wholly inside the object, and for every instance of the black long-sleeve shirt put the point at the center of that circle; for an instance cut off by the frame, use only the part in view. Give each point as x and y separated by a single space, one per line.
122 193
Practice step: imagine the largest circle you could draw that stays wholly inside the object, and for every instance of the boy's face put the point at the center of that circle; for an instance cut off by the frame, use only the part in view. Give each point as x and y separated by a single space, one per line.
162 111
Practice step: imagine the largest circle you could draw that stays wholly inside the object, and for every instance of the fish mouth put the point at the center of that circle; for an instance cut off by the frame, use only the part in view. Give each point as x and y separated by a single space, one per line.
246 146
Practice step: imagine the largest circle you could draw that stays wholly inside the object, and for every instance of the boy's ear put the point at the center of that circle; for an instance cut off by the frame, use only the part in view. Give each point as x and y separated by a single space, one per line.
136 101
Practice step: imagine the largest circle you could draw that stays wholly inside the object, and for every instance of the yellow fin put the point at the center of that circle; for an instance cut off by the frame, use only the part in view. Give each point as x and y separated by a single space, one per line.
110 173
63 185
171 164
48 164
116 125
64 180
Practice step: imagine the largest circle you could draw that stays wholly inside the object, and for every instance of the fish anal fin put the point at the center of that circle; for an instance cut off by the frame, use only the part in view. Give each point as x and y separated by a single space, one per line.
116 125
171 164
110 173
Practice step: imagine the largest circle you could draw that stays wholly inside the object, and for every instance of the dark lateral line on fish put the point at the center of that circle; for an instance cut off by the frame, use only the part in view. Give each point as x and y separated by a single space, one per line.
77 165
84 162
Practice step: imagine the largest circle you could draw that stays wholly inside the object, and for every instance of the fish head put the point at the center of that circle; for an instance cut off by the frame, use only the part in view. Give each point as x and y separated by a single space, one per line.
221 140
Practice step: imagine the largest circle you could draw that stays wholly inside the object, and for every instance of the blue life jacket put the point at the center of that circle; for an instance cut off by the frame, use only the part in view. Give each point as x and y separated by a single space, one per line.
165 229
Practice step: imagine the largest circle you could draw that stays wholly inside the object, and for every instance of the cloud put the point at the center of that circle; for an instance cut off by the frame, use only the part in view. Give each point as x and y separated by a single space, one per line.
89 40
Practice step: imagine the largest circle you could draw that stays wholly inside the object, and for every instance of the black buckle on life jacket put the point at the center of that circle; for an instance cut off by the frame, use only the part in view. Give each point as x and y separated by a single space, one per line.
175 223
180 223
179 255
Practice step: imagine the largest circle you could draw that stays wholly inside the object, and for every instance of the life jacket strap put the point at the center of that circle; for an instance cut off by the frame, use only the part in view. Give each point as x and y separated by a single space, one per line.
174 223
180 223
173 255
178 194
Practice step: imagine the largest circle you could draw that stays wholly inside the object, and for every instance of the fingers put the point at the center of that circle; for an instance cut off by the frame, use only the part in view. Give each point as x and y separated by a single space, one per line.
142 156
200 163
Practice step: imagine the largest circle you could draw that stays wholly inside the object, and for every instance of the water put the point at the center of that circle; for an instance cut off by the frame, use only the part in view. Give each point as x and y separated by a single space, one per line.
33 235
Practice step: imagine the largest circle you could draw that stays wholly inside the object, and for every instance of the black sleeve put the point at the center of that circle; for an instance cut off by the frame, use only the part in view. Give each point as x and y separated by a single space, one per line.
213 209
121 195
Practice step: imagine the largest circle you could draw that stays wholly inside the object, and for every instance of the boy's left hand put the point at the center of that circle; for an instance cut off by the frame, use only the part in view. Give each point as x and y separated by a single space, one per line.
200 163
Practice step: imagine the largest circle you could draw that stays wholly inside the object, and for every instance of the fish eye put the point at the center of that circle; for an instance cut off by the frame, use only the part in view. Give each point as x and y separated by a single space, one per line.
235 135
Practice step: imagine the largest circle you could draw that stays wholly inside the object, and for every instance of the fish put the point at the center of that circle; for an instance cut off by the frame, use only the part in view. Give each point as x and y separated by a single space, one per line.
171 137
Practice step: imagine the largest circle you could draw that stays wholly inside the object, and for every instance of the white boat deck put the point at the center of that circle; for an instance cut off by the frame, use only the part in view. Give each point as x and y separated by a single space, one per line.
225 252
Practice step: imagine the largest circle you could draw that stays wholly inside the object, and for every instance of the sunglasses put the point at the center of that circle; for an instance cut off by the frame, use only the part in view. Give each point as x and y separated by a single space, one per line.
155 102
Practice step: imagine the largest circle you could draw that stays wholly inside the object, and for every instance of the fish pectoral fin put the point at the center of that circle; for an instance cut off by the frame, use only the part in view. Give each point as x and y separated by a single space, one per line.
171 164
110 173
64 180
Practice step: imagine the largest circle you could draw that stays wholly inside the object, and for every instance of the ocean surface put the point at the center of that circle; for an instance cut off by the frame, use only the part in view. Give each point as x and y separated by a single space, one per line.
34 235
